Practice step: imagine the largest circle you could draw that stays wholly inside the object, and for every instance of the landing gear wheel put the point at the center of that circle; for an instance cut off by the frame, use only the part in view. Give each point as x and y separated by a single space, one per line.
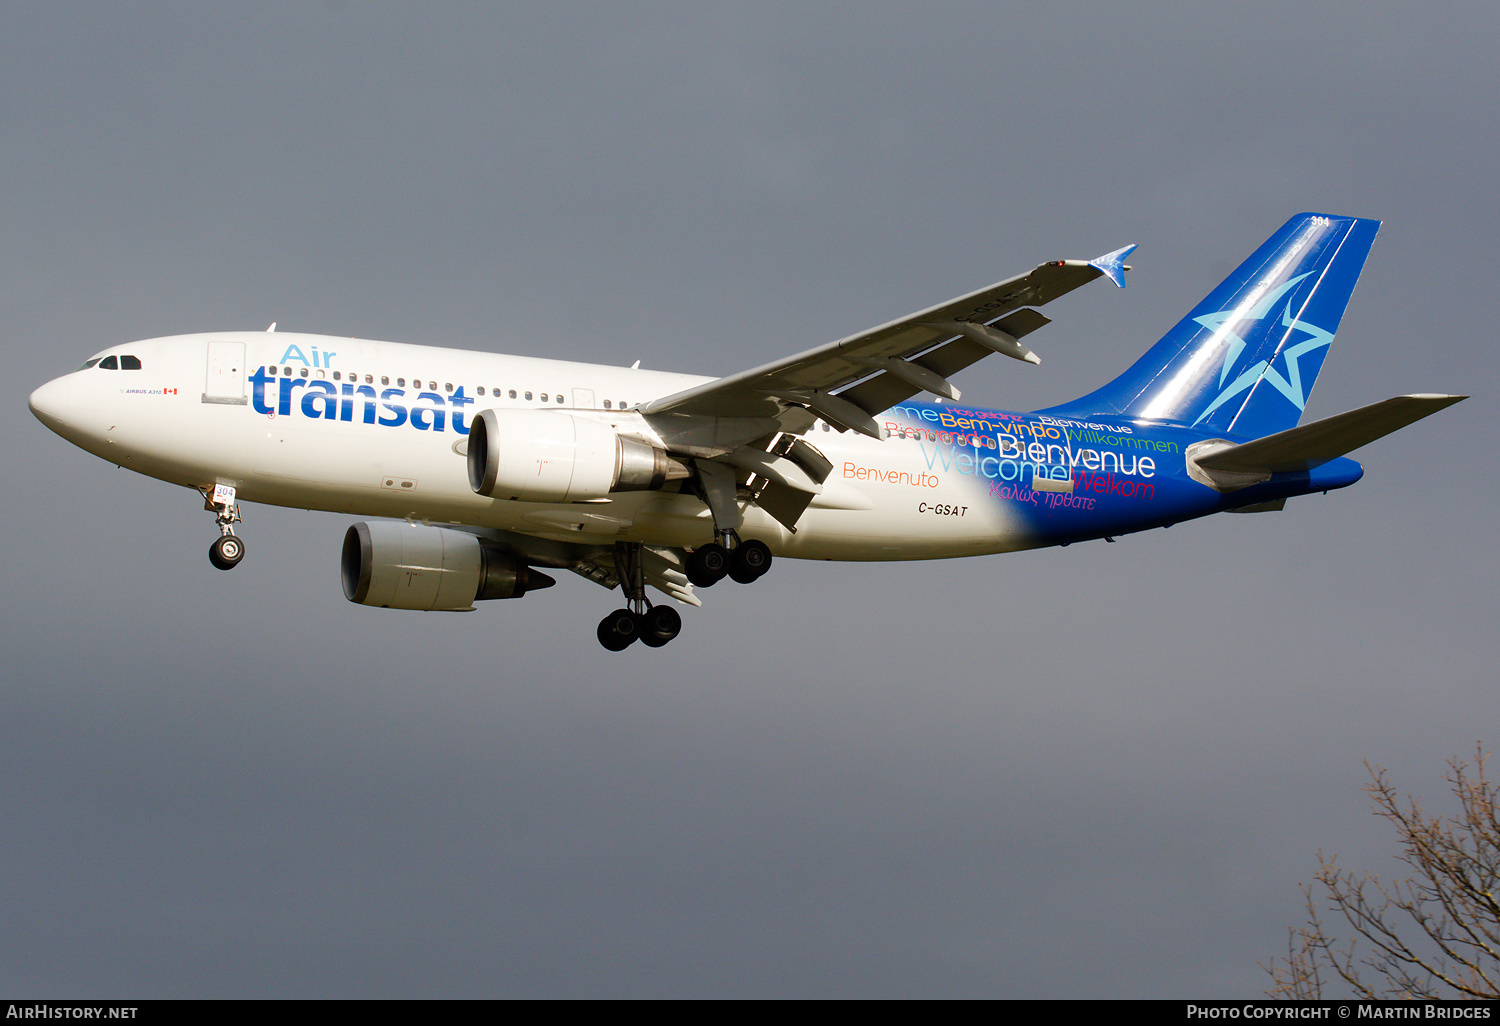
618 630
227 552
751 559
661 625
707 565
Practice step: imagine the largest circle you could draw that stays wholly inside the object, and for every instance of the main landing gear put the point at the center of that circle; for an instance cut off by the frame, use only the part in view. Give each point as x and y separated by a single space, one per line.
746 563
727 556
709 564
653 625
227 551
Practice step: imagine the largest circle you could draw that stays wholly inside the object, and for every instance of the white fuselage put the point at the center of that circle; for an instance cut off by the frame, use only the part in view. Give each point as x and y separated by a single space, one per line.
380 428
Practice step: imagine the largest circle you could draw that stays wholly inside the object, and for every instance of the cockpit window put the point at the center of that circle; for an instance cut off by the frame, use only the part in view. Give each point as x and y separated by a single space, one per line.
115 363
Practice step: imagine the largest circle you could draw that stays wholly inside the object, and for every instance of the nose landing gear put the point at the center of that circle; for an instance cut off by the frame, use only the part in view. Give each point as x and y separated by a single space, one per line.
226 552
228 549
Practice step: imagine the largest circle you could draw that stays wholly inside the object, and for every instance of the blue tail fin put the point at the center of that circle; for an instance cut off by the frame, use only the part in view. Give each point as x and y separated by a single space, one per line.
1243 362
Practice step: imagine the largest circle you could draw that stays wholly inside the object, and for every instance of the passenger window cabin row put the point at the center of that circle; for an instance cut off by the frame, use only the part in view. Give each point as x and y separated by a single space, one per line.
120 362
123 362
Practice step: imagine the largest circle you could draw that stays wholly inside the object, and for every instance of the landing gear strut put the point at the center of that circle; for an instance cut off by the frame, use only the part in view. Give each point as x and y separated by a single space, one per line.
227 551
654 625
726 556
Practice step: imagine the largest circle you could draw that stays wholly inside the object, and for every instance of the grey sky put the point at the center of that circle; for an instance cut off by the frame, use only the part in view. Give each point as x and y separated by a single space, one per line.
1098 771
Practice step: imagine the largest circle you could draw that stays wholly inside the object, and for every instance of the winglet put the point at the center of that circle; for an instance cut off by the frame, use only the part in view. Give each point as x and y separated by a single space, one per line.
1112 265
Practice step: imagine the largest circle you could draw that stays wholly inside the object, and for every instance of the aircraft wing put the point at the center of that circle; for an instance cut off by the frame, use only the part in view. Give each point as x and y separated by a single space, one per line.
844 382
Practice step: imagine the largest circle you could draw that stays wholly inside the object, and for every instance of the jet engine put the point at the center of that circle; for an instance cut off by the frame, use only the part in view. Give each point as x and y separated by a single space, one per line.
549 456
410 566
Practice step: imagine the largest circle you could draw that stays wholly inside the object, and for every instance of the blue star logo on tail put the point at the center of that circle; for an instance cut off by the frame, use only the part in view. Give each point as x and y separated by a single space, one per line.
1288 384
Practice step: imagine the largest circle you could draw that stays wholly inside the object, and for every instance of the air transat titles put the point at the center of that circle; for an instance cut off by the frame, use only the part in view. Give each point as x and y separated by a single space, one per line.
328 400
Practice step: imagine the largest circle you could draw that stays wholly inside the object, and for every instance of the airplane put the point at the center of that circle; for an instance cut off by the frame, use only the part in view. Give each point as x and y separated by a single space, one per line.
494 468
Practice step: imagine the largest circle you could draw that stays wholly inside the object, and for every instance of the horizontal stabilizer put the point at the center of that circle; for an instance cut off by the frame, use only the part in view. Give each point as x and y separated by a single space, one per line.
1308 446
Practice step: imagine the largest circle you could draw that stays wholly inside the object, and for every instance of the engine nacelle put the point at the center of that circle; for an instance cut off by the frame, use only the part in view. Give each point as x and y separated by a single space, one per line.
549 456
409 566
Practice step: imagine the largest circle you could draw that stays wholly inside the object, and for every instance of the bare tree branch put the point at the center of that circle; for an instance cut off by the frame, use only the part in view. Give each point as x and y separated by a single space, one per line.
1432 935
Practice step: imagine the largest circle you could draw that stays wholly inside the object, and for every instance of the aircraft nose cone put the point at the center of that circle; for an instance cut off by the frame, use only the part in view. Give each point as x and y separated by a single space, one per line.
49 404
58 405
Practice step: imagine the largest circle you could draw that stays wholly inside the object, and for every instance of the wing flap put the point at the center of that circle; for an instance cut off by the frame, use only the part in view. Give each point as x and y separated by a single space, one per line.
663 569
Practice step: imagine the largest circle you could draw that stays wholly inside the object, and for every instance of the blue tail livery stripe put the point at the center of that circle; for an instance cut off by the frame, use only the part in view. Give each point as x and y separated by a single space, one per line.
1243 362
